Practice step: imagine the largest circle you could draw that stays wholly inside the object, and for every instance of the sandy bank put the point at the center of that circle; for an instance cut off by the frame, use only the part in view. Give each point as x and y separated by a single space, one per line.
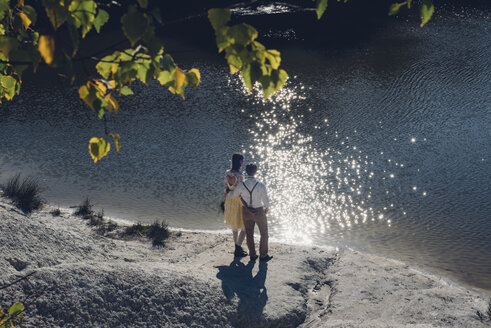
83 279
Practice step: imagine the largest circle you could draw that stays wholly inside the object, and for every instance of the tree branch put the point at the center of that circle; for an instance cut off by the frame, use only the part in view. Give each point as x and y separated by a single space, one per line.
176 21
18 280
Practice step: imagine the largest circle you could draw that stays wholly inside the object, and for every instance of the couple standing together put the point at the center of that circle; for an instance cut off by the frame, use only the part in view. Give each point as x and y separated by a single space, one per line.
246 204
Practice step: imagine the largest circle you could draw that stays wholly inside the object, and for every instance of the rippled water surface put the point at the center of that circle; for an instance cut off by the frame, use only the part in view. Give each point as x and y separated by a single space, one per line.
385 147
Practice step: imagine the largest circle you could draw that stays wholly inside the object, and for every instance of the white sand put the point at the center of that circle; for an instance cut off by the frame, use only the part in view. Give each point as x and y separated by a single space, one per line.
87 280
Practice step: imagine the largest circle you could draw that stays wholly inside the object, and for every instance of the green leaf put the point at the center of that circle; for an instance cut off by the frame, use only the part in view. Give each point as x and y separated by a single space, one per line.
20 56
88 93
193 76
72 31
26 22
4 6
56 11
112 104
7 44
267 84
250 74
143 3
180 82
279 78
320 7
108 65
165 77
98 148
19 23
126 72
104 68
101 19
3 65
83 12
117 141
9 93
126 91
273 82
427 10
35 58
68 67
35 37
218 17
246 77
100 106
274 58
145 72
134 25
46 47
31 13
242 34
167 63
234 60
16 308
395 7
7 81
222 38
154 45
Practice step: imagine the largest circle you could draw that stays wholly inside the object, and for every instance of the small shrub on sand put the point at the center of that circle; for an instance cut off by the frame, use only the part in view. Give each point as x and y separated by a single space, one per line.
137 229
84 209
55 212
157 232
108 227
94 220
97 220
26 195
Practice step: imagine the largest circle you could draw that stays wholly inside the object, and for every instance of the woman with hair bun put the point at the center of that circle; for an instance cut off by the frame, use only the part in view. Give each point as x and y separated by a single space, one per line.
233 205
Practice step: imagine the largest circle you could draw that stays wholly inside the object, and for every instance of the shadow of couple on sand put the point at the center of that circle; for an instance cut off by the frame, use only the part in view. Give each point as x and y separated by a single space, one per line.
237 280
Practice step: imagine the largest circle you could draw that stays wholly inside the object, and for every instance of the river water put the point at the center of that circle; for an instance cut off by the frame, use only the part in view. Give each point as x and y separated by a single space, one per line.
384 147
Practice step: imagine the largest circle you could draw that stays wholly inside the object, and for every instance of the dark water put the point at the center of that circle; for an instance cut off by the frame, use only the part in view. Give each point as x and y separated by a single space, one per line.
383 147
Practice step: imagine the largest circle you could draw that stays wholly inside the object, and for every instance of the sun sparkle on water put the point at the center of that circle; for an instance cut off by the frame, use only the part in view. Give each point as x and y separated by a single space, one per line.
311 190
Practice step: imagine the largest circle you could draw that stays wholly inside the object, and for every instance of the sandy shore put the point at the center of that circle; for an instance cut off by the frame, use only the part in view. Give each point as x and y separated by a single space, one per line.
84 279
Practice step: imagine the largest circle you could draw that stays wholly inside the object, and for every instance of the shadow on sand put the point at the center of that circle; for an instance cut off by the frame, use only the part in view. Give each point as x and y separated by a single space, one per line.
237 280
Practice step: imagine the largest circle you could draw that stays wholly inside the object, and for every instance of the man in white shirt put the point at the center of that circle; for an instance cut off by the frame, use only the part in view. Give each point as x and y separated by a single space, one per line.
256 202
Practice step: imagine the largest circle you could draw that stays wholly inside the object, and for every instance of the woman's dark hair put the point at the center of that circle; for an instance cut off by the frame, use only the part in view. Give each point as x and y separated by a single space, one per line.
236 158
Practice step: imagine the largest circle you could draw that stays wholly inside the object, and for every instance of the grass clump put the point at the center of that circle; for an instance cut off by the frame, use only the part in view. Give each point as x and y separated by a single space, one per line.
25 194
95 220
55 212
84 209
157 232
482 316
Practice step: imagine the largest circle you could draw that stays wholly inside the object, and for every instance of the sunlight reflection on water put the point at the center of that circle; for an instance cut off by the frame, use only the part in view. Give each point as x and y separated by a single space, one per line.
312 190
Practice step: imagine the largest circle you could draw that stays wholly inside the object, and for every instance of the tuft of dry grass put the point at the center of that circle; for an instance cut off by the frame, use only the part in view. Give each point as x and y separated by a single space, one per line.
25 194
157 232
84 209
55 212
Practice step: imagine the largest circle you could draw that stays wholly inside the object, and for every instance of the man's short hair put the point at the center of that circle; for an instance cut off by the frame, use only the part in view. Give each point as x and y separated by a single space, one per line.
251 168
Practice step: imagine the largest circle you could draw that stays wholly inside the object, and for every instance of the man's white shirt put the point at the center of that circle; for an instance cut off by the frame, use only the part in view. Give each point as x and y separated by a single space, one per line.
259 194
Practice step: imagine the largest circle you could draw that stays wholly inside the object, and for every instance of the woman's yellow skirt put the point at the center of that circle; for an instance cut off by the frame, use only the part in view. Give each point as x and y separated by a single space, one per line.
233 213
